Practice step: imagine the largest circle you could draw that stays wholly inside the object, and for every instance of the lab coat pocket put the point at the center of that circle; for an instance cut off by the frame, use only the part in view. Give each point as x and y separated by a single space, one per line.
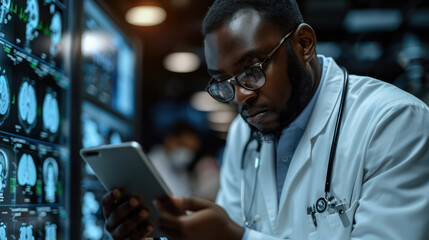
330 226
340 228
311 228
310 224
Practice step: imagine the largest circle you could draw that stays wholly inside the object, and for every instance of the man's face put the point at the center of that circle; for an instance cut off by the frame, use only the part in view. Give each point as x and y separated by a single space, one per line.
247 39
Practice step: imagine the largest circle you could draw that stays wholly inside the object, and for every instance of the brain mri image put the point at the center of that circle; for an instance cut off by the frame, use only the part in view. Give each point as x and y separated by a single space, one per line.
56 30
50 178
91 135
51 112
32 10
27 174
3 233
4 98
115 138
27 105
90 207
3 170
50 232
4 9
26 233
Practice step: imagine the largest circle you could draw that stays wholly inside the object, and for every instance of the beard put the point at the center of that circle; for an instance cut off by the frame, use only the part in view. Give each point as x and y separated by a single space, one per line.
302 89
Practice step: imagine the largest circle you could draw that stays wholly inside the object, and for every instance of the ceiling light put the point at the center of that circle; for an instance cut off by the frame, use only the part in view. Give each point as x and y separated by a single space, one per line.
202 101
221 117
182 62
94 42
145 15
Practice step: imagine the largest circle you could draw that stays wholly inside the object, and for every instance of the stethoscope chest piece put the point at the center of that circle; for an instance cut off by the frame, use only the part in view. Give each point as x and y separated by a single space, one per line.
324 203
321 205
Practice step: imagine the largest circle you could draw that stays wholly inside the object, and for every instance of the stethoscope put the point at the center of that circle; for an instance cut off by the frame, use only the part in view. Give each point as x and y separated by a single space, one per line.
327 202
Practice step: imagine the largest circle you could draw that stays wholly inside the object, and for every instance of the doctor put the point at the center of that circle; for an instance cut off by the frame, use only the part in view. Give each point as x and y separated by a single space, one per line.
262 59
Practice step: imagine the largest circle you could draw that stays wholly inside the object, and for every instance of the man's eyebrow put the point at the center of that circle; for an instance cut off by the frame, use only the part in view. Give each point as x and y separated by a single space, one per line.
250 54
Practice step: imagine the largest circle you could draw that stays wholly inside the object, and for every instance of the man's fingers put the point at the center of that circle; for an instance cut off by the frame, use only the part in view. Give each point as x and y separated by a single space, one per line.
166 204
130 226
191 204
110 200
172 232
123 210
170 225
141 233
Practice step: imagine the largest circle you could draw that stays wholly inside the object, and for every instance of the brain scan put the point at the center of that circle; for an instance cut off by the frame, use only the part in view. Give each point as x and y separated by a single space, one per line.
27 103
115 138
26 171
56 29
3 170
50 232
3 233
90 206
91 136
51 113
4 96
50 178
26 233
4 9
33 19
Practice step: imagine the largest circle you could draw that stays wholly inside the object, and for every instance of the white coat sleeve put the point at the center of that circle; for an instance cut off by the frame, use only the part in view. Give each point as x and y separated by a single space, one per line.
394 201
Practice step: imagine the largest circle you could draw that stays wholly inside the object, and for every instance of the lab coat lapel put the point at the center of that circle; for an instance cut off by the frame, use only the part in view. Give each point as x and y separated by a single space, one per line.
267 180
323 110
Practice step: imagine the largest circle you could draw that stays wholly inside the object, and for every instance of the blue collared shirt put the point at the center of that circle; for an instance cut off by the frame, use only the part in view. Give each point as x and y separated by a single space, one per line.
292 135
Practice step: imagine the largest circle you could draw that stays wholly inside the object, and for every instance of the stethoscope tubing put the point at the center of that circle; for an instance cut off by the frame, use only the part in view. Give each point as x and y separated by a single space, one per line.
336 134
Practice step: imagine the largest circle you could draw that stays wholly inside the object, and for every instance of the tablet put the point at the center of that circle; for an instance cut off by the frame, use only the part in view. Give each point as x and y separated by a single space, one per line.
126 166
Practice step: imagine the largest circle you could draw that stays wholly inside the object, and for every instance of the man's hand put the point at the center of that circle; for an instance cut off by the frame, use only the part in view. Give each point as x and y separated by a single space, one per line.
125 217
207 221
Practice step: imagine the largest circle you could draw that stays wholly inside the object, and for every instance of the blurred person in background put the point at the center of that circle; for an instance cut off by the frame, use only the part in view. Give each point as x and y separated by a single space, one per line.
173 157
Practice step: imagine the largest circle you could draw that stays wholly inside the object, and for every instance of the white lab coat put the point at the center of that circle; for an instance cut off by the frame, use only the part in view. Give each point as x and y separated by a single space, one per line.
381 168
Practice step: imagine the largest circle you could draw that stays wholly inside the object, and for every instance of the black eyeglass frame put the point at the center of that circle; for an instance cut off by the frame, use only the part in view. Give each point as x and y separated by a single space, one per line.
233 80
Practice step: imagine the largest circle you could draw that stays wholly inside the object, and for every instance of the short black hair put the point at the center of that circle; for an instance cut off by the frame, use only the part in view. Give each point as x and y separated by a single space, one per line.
284 13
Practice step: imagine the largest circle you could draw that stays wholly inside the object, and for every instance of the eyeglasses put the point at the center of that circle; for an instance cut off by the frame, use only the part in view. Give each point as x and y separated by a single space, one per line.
252 78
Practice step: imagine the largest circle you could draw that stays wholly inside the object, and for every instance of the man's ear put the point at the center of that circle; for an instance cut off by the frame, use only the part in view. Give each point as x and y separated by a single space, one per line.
306 41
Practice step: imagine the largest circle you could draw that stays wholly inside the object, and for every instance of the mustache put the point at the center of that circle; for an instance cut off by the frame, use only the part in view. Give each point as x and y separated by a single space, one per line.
250 109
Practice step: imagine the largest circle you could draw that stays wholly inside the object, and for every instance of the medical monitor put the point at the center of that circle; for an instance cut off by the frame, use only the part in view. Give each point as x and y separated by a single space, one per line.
108 62
108 103
34 142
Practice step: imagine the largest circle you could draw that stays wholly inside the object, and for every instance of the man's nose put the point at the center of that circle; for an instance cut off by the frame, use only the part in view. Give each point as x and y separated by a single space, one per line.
243 96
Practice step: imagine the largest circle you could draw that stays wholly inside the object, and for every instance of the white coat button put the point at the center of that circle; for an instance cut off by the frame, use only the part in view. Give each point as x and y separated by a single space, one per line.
285 159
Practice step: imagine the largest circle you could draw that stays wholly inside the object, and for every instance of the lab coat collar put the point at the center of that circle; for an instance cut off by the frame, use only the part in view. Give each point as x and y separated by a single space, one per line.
328 98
